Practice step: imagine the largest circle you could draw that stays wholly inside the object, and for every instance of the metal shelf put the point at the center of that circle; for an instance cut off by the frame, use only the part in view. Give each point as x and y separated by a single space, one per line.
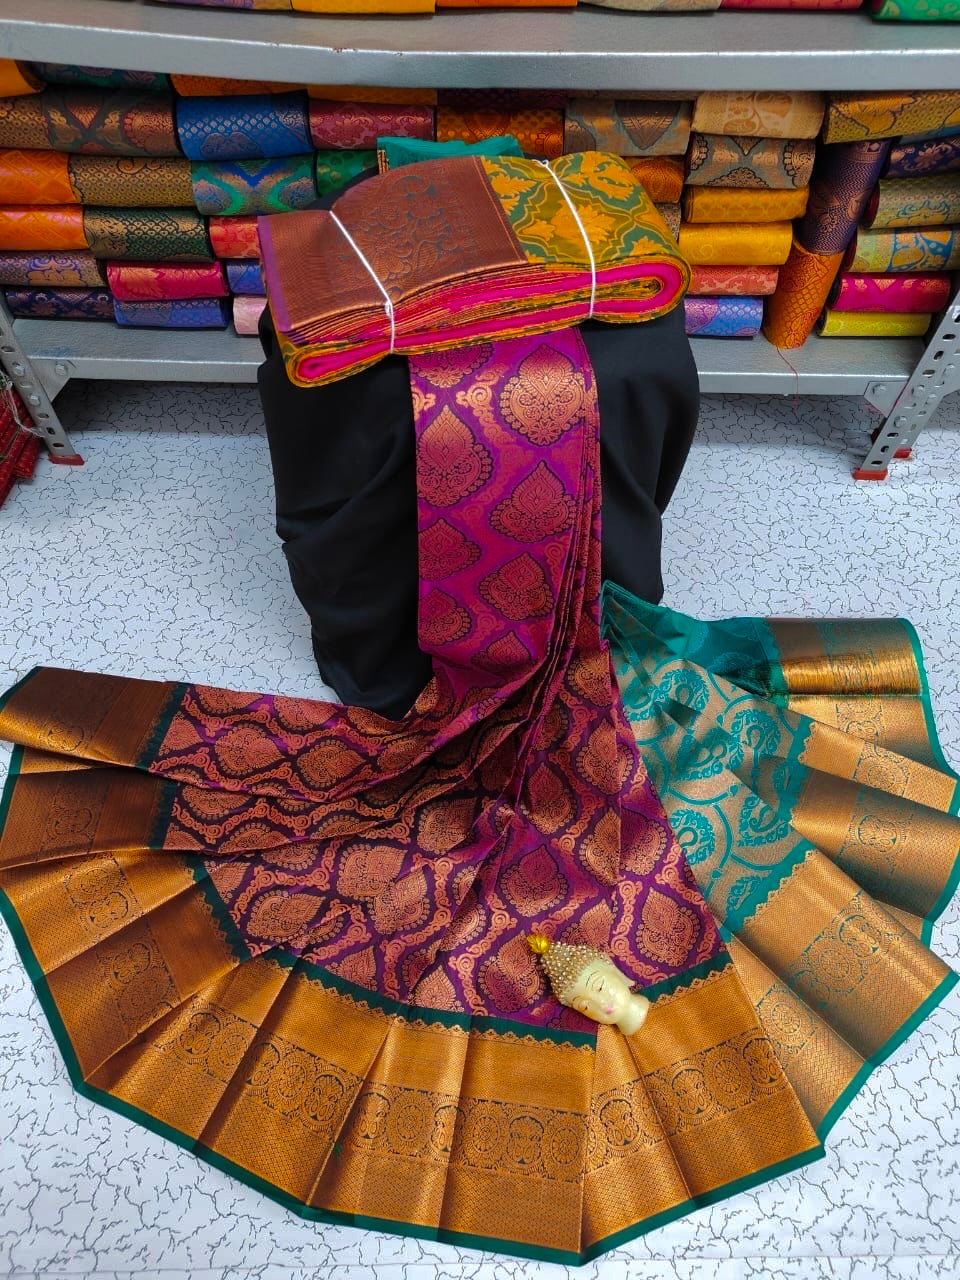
584 48
62 349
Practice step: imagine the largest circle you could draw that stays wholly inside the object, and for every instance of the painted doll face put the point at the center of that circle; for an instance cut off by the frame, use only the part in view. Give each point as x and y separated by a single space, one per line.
602 993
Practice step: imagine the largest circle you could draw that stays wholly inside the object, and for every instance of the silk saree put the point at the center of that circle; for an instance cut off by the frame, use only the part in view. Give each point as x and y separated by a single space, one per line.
290 936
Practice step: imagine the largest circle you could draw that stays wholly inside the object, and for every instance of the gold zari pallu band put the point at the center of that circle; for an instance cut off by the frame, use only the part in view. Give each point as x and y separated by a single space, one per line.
342 1106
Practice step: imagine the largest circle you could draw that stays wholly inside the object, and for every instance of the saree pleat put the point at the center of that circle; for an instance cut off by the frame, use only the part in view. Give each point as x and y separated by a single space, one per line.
289 936
840 848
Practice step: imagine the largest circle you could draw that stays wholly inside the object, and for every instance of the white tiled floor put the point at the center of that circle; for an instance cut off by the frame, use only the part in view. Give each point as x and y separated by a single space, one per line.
158 558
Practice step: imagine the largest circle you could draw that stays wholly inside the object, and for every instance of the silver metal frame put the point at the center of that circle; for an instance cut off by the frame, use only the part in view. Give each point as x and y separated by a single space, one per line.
605 49
37 386
936 375
582 48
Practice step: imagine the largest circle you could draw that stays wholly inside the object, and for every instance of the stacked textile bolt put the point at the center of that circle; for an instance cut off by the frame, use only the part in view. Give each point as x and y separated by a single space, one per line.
748 169
859 144
332 144
652 134
535 118
96 189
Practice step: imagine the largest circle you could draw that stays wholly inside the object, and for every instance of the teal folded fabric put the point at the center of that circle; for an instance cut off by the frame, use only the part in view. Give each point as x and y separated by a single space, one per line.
400 151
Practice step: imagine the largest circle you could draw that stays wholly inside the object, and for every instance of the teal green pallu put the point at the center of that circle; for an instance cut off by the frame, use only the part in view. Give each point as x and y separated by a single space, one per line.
799 765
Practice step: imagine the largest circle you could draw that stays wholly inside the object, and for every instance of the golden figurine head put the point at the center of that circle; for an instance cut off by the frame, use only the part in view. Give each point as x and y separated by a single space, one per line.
589 981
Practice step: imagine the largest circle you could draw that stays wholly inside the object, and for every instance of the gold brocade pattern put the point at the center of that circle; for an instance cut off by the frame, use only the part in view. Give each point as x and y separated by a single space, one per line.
554 1143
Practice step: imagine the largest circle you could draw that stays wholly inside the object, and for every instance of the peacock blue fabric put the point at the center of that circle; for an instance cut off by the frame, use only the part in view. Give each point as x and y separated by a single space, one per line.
249 127
246 277
185 313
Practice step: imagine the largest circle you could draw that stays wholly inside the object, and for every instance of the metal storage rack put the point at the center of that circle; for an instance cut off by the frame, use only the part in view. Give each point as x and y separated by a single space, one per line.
584 48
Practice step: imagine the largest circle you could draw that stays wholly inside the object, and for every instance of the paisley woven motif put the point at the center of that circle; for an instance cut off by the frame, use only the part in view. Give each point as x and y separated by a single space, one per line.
152 281
929 249
762 114
660 176
627 127
802 292
717 161
916 159
356 126
149 235
853 116
188 313
915 202
254 186
251 127
61 304
308 920
539 131
733 281
499 228
723 317
131 181
106 122
843 179
62 270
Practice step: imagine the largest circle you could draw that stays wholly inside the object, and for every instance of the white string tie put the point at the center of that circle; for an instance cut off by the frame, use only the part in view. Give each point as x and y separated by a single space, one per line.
583 231
387 300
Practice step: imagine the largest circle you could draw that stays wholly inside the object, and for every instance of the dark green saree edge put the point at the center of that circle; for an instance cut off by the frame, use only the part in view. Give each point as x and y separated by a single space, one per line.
953 880
441 1235
904 1031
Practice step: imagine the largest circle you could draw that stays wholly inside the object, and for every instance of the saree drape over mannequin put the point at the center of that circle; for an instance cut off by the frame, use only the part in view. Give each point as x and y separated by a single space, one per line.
291 936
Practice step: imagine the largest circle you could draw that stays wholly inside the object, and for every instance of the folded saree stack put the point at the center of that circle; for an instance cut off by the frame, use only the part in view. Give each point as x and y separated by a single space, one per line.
748 170
652 134
359 963
531 247
882 201
894 274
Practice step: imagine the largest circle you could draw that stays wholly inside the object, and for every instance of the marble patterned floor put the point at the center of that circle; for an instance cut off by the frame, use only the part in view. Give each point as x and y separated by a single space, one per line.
158 558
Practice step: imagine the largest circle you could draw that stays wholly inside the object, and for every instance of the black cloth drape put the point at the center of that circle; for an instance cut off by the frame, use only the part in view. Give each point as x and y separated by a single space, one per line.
343 464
